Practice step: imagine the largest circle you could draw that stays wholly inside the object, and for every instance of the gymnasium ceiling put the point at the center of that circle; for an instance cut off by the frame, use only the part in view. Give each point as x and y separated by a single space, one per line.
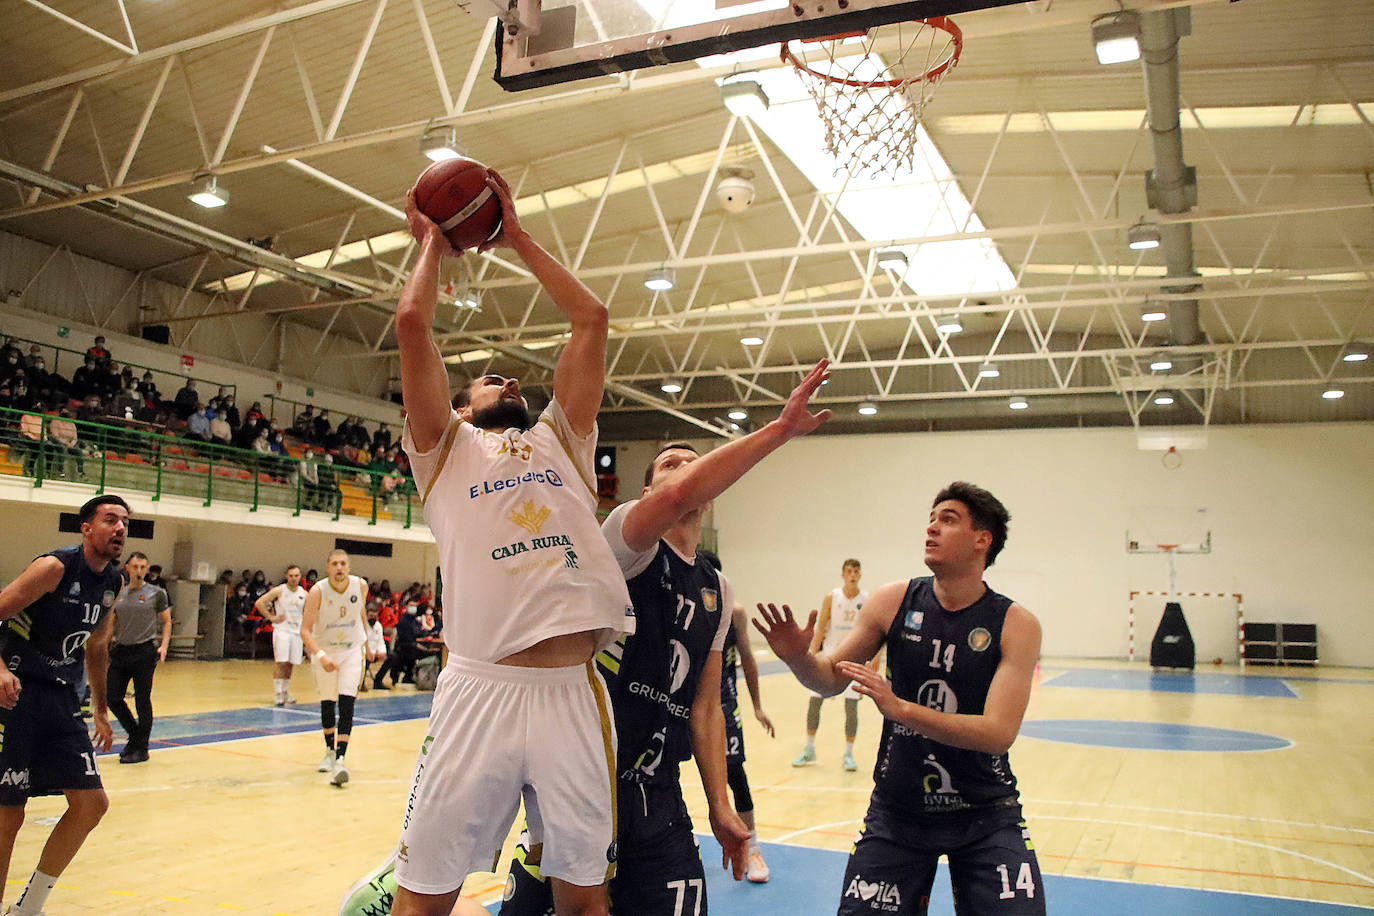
310 114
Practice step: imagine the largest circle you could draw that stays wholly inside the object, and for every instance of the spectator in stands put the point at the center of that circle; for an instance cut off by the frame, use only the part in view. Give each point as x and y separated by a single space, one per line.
220 431
154 577
63 443
10 359
84 382
322 426
329 491
405 651
107 380
6 398
304 424
90 409
99 353
259 586
198 426
35 354
311 577
128 401
29 442
254 414
239 622
186 400
231 413
381 439
147 388
226 578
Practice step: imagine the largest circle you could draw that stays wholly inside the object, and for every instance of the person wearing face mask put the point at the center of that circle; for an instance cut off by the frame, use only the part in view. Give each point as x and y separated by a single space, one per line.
84 381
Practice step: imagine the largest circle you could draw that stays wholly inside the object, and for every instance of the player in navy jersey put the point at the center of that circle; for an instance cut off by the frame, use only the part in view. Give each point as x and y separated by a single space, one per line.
664 679
55 615
960 662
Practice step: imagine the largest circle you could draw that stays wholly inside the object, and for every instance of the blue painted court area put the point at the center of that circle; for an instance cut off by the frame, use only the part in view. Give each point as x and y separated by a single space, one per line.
1237 685
262 721
807 882
1150 736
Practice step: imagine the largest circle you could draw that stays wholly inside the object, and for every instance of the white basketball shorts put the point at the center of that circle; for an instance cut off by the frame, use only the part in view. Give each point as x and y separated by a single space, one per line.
287 647
497 734
345 678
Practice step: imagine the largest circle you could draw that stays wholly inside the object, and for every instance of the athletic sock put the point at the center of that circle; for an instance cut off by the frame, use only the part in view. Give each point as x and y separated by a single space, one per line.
810 743
340 748
753 841
31 901
279 687
849 747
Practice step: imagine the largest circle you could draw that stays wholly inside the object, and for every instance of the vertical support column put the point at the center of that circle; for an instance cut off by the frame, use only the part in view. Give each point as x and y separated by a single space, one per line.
1240 626
1130 629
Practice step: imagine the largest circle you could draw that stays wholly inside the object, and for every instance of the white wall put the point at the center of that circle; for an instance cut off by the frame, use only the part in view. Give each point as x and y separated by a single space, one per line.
1291 509
269 547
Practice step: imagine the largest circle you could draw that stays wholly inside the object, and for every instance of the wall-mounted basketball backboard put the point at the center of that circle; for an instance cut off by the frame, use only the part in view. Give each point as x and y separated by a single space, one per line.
558 41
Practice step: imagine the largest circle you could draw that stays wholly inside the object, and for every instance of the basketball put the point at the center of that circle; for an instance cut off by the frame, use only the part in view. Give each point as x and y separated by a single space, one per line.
455 195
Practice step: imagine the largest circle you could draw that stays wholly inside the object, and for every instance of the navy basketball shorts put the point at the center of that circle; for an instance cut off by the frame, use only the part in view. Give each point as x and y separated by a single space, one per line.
45 748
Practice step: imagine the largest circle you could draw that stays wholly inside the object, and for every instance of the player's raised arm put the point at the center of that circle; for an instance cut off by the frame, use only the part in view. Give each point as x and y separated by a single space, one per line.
710 475
820 672
424 379
580 376
997 727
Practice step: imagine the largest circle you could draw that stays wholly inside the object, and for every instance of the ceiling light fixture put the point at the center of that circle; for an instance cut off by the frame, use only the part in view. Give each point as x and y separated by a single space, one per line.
868 409
1355 353
440 143
989 370
1142 236
1164 398
948 324
1018 403
1116 37
1153 311
659 279
750 339
1161 362
211 196
738 413
892 259
744 97
670 386
1333 394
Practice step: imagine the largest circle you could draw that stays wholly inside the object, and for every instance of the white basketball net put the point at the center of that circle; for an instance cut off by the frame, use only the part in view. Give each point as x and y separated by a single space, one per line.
872 89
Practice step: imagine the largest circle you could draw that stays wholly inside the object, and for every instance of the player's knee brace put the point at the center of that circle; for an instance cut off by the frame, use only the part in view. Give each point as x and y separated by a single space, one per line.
327 714
739 785
346 714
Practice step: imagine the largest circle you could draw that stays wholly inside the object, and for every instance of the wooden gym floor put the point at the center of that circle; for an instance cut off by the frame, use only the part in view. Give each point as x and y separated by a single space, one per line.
1134 784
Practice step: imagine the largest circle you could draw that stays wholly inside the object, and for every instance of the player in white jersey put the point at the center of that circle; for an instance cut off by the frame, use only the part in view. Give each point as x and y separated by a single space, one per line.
839 611
519 709
335 635
283 605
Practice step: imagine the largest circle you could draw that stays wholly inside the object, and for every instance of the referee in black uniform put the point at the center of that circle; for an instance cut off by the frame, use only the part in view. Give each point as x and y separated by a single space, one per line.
55 613
960 662
142 629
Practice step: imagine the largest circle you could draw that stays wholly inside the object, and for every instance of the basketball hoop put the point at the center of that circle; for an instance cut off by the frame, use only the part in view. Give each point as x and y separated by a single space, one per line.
870 104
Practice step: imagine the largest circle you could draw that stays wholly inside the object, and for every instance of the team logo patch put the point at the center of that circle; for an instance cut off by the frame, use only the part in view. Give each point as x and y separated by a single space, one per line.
710 599
352 599
107 599
530 518
678 667
510 888
142 598
979 639
75 589
914 619
73 642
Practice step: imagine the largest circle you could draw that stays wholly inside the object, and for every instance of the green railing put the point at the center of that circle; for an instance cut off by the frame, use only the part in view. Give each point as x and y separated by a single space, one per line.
296 407
78 358
132 456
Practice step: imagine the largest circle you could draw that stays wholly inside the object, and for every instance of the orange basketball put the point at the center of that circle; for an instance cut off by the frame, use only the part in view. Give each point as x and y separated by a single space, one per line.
455 195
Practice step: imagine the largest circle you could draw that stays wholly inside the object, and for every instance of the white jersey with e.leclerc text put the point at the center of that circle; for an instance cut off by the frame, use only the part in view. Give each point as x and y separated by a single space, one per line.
844 613
521 554
340 624
291 604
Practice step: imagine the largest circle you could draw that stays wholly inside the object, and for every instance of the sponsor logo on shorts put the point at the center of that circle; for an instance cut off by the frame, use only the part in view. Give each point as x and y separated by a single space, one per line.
612 851
879 895
18 779
979 639
403 854
547 477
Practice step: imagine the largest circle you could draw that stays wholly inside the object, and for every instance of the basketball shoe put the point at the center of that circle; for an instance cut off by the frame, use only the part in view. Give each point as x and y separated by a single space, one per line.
373 893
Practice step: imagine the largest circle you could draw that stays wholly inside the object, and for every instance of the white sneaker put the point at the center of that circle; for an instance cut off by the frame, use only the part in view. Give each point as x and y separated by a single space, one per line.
757 872
326 762
340 774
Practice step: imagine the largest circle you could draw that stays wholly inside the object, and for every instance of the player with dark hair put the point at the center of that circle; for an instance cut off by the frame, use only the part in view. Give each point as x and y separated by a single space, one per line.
56 615
960 661
142 630
664 679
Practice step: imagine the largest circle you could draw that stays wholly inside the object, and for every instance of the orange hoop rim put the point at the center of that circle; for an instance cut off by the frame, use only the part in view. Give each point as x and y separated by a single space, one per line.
942 23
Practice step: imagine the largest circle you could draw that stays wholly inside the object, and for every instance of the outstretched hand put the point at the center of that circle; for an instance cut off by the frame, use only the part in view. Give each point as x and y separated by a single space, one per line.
796 419
873 685
788 641
425 230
